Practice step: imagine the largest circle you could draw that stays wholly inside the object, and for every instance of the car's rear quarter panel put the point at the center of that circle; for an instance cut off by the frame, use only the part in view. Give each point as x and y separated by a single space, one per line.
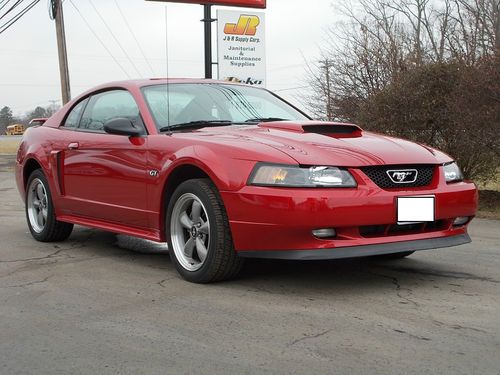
38 144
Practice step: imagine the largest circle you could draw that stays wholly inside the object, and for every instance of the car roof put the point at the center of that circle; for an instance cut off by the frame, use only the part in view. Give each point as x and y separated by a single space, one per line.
133 84
137 83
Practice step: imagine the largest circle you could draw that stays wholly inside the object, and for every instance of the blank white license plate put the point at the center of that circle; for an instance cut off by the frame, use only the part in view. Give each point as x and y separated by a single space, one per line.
415 209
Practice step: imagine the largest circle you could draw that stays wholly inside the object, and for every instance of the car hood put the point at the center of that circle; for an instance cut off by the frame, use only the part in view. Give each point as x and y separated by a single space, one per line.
313 143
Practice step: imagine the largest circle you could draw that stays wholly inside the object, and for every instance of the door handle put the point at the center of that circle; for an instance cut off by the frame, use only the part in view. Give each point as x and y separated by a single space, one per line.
73 146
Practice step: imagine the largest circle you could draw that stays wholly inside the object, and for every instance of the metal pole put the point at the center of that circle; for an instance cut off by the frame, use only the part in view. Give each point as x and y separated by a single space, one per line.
208 39
63 57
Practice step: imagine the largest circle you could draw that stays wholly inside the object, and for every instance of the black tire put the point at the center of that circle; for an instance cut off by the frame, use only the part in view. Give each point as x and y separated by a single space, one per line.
394 256
221 262
53 230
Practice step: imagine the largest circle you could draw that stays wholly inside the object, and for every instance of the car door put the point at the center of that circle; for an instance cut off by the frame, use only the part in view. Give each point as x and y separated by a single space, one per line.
105 174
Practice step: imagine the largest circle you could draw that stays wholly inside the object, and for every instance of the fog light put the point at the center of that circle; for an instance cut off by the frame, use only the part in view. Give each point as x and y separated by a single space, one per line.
461 220
324 233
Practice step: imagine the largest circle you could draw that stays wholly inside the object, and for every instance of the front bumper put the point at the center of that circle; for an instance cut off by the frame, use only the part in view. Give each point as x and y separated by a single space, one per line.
267 220
361 250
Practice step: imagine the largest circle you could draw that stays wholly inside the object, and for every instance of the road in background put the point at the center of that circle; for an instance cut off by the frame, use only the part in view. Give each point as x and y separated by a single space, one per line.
106 304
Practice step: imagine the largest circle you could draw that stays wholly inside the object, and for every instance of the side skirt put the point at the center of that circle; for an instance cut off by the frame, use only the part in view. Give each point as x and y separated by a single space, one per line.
111 227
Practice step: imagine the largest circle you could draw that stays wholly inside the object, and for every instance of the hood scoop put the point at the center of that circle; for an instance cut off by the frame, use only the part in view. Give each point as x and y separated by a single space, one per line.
331 129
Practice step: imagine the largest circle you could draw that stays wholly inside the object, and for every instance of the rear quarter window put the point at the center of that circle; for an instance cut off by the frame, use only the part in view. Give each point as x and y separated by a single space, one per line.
75 114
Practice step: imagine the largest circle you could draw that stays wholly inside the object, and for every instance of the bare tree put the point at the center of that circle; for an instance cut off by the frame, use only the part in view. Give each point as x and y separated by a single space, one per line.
385 38
474 30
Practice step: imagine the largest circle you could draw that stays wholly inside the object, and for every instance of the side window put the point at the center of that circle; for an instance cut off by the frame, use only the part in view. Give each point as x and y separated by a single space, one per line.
107 106
74 115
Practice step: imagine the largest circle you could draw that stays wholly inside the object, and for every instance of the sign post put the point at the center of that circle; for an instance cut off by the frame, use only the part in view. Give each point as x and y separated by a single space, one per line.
207 12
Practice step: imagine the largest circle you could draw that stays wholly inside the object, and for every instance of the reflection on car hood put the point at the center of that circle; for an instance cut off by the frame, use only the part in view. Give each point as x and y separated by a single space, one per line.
314 143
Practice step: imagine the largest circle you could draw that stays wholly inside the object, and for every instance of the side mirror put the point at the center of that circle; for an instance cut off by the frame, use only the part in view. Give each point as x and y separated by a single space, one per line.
122 126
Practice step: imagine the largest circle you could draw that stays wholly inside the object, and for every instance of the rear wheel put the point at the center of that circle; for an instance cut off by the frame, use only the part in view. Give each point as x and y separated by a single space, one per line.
199 237
40 214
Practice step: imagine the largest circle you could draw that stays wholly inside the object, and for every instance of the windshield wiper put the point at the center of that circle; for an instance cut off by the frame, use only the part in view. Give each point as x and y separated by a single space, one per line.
195 124
265 119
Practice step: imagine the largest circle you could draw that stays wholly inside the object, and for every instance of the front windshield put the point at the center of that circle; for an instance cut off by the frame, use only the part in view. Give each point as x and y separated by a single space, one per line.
189 103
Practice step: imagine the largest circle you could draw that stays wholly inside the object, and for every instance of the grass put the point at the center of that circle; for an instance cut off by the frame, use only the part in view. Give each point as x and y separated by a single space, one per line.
489 199
9 145
489 204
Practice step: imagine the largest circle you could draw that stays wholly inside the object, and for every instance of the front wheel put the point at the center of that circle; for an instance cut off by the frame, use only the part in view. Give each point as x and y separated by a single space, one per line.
199 237
40 213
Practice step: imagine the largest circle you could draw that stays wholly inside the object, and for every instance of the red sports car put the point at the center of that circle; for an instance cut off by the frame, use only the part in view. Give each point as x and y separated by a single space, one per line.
225 171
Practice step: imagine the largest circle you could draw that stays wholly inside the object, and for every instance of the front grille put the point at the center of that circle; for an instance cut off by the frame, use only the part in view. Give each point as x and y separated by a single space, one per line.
400 229
378 174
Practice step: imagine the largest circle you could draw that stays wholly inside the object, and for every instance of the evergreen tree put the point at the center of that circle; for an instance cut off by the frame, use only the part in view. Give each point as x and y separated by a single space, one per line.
6 118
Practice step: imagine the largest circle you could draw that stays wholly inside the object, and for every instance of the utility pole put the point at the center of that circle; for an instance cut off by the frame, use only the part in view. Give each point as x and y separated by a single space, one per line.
56 13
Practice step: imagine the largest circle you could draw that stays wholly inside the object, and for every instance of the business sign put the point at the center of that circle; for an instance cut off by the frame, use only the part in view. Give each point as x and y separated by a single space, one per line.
241 47
232 3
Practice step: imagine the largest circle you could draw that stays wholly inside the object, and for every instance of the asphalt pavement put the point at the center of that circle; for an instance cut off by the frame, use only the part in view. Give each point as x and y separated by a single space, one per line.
99 303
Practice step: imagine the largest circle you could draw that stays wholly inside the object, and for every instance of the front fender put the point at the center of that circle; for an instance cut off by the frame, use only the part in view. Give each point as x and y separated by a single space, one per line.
227 173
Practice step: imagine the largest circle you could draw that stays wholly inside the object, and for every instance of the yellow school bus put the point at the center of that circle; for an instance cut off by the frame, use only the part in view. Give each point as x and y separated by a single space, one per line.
17 129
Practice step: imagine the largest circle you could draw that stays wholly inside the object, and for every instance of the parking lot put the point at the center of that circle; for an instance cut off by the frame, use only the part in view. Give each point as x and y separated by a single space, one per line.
106 304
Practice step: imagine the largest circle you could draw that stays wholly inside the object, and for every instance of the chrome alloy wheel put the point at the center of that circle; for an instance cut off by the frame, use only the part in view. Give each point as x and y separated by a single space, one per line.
38 204
190 232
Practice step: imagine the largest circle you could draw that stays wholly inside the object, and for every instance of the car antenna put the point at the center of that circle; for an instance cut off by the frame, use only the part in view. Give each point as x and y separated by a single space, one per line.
168 77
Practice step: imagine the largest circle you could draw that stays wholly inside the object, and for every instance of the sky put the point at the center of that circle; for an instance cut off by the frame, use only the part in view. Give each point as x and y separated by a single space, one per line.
29 70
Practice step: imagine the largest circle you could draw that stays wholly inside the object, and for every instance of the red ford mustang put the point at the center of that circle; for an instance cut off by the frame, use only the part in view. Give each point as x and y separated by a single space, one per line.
225 171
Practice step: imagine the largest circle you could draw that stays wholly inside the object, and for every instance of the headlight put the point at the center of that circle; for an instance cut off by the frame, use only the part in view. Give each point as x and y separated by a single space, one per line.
294 176
452 173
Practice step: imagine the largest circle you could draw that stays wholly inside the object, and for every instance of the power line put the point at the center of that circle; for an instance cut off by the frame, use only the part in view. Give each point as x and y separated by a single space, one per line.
22 12
116 39
292 88
13 20
36 85
23 107
4 5
135 38
11 8
99 39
